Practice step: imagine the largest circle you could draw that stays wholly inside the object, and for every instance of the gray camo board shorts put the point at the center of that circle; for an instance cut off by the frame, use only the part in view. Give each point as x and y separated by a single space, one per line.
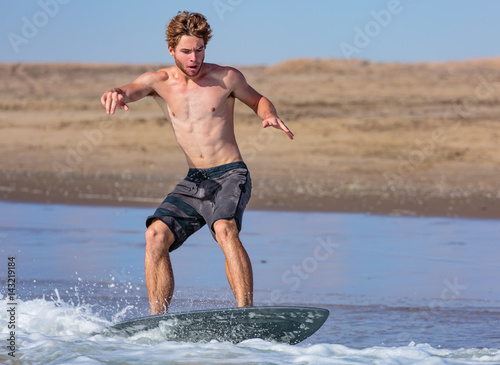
205 196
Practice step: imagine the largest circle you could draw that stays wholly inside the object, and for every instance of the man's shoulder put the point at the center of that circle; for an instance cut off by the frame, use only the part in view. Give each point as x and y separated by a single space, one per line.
229 75
162 74
223 70
152 77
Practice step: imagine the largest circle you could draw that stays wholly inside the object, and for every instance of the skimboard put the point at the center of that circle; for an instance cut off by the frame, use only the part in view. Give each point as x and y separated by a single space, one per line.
280 324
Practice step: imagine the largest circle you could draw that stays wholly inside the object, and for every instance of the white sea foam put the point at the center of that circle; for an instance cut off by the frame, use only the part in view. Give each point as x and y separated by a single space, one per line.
50 331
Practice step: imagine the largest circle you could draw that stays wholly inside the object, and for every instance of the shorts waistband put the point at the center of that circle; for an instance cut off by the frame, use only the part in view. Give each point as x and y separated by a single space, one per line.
214 172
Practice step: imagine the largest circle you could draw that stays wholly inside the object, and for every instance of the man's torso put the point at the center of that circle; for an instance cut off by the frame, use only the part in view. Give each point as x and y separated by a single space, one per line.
201 113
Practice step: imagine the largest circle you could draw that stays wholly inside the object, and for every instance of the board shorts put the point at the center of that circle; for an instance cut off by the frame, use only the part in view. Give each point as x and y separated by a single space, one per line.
205 196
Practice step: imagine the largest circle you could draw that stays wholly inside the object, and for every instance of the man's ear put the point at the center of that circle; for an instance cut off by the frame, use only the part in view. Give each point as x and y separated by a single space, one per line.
171 51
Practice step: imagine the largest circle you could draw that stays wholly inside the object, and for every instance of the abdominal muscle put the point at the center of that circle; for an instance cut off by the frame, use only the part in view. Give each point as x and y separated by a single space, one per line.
207 143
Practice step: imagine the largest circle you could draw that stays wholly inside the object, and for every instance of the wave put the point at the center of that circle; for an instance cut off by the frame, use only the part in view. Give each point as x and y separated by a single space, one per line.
51 331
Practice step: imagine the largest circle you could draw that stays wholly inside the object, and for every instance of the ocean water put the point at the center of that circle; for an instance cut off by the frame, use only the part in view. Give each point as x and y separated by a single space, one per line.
400 290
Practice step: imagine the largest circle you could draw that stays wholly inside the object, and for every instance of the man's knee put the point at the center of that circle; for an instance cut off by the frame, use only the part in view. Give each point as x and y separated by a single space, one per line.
159 238
225 229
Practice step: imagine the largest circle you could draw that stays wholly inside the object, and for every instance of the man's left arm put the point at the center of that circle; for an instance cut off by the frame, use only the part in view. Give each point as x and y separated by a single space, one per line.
261 105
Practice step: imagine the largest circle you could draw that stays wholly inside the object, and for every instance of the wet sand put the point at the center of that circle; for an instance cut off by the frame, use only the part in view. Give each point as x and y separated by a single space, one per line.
404 139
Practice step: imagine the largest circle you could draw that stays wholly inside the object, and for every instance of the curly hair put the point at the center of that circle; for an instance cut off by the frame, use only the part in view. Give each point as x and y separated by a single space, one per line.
187 23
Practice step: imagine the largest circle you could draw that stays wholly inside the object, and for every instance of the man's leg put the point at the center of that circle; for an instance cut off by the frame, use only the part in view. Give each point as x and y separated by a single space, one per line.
159 274
238 266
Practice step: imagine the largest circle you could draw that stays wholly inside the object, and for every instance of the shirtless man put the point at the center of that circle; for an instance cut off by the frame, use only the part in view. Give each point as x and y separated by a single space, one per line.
198 99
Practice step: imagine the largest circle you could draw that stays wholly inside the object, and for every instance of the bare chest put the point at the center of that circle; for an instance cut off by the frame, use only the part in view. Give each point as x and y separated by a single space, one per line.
192 102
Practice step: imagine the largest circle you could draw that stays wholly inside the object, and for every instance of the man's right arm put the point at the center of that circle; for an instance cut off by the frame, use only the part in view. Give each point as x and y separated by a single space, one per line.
140 88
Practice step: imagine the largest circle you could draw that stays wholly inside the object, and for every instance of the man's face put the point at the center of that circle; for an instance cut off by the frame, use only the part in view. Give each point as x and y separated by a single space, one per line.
189 55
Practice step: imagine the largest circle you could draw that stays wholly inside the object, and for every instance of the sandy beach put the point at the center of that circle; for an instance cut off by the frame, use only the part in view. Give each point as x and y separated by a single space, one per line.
405 139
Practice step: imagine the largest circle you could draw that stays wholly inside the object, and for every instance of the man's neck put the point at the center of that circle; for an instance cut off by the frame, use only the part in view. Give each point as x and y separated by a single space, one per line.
183 77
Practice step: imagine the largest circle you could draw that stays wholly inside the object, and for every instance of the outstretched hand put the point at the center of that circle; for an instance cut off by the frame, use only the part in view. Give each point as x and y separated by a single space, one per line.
278 124
113 99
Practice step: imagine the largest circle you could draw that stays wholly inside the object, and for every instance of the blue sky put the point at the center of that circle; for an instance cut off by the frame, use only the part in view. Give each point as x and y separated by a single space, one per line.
251 32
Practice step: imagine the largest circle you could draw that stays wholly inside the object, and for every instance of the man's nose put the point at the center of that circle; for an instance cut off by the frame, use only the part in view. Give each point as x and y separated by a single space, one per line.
194 57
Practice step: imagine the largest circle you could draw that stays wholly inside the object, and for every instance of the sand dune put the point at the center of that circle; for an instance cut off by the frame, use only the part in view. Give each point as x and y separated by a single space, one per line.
370 137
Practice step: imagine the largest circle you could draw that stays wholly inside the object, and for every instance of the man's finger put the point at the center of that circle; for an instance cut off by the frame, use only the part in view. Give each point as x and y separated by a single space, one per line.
121 104
108 103
285 129
114 99
288 133
282 125
103 99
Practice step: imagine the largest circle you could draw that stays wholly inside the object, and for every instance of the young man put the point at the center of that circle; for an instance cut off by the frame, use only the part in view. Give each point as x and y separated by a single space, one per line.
198 99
